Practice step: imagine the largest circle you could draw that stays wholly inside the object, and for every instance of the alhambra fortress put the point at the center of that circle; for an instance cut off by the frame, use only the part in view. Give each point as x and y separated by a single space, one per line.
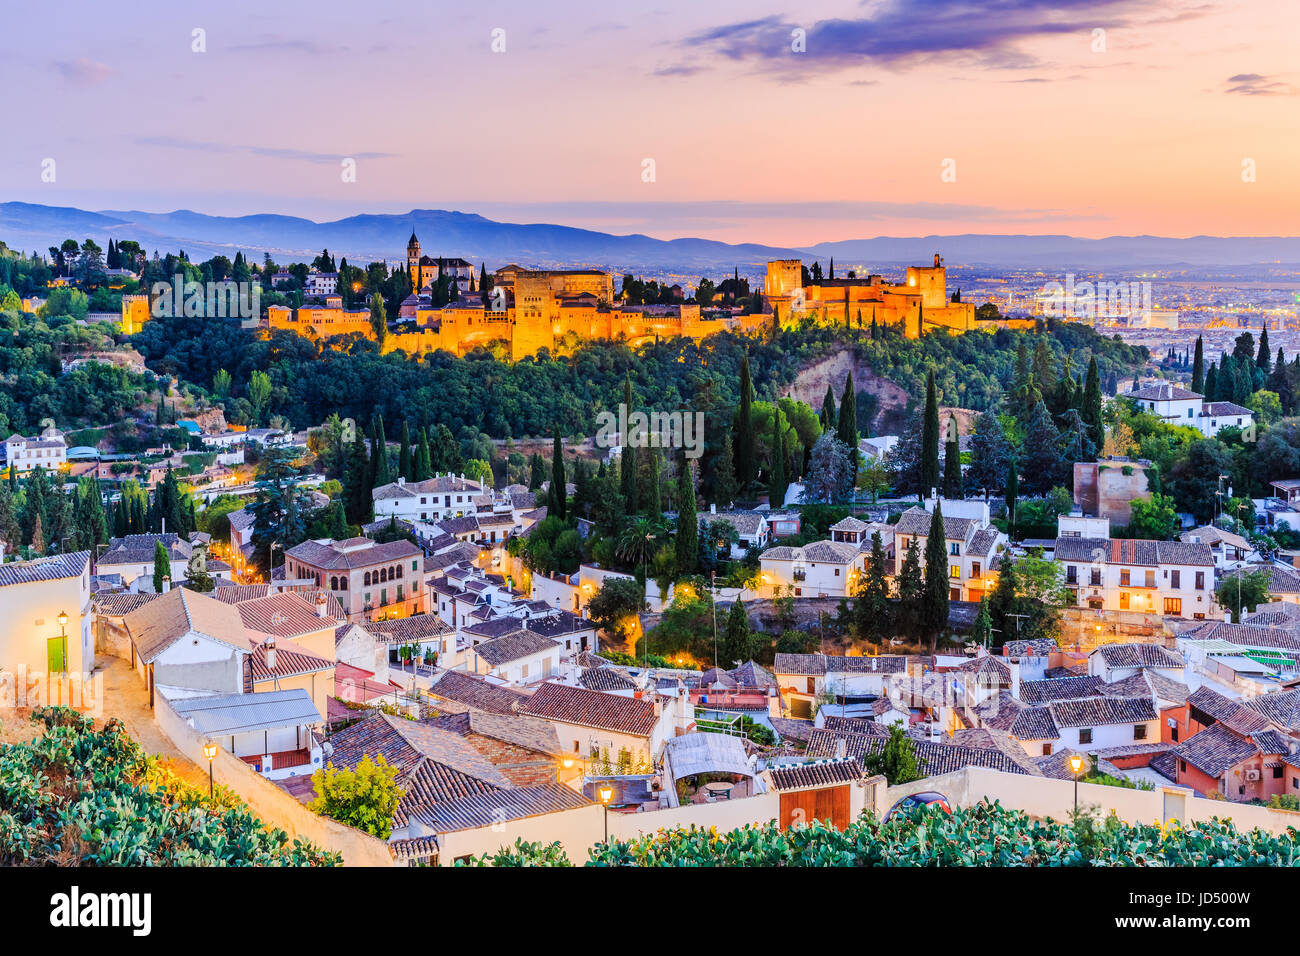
527 310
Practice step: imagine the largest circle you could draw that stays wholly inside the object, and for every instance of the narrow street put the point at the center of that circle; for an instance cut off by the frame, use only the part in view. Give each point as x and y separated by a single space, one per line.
125 697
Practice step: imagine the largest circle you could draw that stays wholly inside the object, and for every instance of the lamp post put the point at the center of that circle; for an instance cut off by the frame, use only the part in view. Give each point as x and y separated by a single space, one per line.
1076 763
606 793
63 637
210 751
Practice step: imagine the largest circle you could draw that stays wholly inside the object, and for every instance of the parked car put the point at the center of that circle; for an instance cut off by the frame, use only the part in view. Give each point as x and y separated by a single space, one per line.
924 799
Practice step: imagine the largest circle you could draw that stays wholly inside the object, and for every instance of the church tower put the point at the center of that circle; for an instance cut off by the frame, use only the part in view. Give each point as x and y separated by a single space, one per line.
413 262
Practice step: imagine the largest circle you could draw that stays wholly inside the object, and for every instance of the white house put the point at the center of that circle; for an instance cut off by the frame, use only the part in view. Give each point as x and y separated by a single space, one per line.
1117 662
48 450
970 541
820 569
591 722
802 678
1228 549
46 625
1179 406
517 657
1173 578
443 496
751 529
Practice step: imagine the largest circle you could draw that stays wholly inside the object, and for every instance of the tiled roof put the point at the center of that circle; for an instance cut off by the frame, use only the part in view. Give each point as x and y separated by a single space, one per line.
1246 635
531 733
589 708
817 773
1100 711
344 555
284 614
1163 392
1215 750
806 665
916 522
1063 688
934 759
500 806
1281 707
155 626
1136 552
1139 655
122 602
605 679
476 693
514 646
70 565
290 661
418 628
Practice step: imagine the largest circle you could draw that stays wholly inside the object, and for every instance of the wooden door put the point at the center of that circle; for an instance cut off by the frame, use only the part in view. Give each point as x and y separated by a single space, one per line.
803 806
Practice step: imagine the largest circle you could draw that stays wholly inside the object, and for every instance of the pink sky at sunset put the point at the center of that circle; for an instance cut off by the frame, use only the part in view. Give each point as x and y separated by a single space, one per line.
751 142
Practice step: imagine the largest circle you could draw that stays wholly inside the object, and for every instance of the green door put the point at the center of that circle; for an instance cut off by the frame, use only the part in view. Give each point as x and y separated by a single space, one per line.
54 655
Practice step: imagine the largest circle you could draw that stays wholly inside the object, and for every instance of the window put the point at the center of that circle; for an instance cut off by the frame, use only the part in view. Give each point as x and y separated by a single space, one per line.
1123 600
1173 606
1124 577
954 571
1200 580
1151 578
837 570
1085 735
1094 577
954 549
1175 579
1277 772
1047 750
1139 731
975 569
1071 572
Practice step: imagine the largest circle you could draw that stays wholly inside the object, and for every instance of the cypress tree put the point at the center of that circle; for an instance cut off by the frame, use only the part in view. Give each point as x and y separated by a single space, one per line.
847 426
743 446
655 503
162 566
873 610
724 476
1262 359
627 465
1198 367
827 416
559 498
930 439
934 606
911 591
380 459
777 483
1091 411
1211 383
1012 490
357 483
338 521
687 541
952 479
424 458
404 464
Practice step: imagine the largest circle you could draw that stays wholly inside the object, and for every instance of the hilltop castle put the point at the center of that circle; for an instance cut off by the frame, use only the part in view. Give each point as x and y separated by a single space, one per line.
531 309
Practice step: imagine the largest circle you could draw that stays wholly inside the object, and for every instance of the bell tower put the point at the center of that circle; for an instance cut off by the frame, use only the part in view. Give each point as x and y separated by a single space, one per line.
413 262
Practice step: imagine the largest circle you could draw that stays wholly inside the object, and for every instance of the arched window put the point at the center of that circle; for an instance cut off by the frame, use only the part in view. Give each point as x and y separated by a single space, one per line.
343 581
334 583
367 579
399 570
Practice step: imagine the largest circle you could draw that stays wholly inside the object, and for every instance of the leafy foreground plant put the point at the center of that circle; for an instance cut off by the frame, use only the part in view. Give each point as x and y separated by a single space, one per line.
78 796
986 834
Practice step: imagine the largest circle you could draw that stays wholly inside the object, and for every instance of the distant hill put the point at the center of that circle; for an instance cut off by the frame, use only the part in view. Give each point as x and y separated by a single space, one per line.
368 237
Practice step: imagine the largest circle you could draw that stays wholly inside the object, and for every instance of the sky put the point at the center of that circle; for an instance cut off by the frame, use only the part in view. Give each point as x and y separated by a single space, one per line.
779 123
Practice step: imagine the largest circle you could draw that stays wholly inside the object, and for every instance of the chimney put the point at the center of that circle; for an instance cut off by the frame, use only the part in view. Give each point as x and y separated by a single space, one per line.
401 481
167 583
713 508
270 653
321 605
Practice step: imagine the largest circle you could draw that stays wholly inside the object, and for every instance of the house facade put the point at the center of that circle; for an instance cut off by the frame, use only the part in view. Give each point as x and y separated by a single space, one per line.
1170 578
372 581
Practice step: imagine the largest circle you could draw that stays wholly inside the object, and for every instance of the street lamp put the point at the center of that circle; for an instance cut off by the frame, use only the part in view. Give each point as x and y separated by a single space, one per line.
606 793
63 636
1076 763
210 751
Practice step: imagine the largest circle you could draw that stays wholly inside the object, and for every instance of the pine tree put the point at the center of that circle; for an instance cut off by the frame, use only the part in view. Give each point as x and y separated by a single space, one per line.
738 644
558 496
1043 461
1091 410
911 590
1198 367
873 610
744 444
687 541
953 486
930 439
934 605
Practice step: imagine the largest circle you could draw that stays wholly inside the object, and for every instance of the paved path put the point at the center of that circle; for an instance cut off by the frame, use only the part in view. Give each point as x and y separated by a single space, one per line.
125 697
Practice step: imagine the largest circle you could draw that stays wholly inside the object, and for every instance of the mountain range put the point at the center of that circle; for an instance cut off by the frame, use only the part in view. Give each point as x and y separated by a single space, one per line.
367 237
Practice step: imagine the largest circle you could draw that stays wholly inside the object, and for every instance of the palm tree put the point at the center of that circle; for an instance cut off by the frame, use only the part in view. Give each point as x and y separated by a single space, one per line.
636 542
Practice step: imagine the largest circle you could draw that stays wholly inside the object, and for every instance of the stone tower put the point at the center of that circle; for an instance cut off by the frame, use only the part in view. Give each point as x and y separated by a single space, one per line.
413 262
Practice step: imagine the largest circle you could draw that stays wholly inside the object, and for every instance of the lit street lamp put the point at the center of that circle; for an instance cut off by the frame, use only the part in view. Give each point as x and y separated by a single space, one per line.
63 636
606 793
210 751
1076 763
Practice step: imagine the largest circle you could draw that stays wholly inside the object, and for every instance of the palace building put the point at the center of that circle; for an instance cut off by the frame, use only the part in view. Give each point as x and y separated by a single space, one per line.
532 309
